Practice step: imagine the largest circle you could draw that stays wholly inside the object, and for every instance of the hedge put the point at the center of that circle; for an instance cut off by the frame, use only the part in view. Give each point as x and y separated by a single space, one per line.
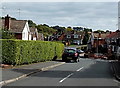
18 52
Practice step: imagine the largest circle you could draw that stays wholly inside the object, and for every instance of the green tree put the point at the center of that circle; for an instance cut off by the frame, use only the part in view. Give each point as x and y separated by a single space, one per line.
86 38
5 34
99 31
59 29
87 30
45 29
69 29
31 23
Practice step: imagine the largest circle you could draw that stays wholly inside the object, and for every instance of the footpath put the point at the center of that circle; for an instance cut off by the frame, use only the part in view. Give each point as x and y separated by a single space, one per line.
13 74
116 69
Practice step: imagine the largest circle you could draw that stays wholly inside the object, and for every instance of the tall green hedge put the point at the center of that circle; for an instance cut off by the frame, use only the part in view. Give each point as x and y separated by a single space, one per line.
18 52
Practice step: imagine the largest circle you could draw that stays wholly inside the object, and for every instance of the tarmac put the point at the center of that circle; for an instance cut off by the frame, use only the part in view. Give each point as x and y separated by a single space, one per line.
116 69
13 74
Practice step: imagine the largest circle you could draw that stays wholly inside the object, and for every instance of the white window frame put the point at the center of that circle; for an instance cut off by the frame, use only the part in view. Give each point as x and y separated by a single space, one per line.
75 36
68 36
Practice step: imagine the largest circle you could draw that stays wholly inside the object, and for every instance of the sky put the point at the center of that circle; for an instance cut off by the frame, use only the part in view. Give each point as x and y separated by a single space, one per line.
94 15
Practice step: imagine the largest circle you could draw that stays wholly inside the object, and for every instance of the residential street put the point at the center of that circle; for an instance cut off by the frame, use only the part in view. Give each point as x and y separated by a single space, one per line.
87 72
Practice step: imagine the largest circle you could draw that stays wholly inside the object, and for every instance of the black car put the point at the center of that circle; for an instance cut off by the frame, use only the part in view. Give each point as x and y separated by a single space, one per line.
70 54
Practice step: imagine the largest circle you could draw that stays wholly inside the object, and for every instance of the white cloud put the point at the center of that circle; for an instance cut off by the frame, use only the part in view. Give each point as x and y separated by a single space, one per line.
60 0
89 14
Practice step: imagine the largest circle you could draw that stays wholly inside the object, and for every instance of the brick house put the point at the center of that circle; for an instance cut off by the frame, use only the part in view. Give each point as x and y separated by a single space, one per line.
21 29
113 43
74 37
97 42
34 33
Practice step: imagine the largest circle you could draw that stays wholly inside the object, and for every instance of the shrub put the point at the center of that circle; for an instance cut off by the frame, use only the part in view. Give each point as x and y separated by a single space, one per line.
18 52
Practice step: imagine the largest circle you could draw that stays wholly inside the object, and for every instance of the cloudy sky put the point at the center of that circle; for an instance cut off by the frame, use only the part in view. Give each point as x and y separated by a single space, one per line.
95 15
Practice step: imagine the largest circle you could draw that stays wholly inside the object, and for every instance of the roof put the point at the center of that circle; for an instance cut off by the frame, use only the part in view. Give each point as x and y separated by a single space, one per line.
102 35
114 35
15 25
76 33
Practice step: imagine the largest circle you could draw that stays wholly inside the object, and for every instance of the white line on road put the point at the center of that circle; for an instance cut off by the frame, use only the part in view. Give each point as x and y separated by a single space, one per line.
80 68
66 78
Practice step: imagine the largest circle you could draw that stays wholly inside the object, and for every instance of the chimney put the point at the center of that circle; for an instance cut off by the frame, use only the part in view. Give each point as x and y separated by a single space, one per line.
7 22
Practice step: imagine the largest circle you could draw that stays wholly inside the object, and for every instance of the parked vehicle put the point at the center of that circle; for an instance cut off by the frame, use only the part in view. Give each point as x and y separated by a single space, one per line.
70 54
99 55
76 42
80 52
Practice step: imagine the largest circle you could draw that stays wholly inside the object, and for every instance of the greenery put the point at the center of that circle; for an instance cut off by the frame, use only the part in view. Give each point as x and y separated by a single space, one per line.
99 31
31 23
6 34
69 29
59 29
87 30
17 52
45 29
86 38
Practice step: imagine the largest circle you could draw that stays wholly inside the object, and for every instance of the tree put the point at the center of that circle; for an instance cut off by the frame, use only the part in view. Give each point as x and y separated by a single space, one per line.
59 29
31 23
45 29
78 28
86 38
87 30
7 34
69 29
99 31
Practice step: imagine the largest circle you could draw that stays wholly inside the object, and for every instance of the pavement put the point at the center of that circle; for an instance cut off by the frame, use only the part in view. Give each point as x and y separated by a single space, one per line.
116 69
13 74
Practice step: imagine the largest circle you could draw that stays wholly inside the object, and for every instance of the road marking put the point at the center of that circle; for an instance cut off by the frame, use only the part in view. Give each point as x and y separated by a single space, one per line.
66 78
80 68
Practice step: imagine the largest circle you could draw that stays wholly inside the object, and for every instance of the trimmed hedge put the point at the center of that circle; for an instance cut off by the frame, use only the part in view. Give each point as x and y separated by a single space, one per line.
18 52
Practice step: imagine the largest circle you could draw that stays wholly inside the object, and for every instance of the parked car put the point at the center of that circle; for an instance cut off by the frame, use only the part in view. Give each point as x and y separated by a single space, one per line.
80 52
76 42
70 54
99 55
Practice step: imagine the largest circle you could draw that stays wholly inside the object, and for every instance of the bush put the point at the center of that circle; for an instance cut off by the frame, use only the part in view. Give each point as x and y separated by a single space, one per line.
18 52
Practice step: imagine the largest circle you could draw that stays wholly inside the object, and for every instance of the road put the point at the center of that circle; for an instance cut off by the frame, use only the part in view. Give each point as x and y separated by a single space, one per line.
87 72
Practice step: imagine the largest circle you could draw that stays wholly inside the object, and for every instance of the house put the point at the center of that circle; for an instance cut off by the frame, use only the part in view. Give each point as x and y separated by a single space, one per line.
113 43
74 37
97 42
33 33
40 37
19 28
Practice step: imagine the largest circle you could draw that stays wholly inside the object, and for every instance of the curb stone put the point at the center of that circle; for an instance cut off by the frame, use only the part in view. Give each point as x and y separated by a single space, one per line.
25 75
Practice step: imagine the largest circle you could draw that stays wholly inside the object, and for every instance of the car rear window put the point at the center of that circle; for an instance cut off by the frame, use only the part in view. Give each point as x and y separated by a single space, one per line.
69 51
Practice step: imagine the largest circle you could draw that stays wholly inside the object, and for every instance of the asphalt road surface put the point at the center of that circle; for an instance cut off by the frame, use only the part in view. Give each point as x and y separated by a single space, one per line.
87 72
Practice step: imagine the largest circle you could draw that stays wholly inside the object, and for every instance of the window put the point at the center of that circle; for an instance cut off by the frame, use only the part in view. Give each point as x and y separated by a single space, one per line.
75 36
68 36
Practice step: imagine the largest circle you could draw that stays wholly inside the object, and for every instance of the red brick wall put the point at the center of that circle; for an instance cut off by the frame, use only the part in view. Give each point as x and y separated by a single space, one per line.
98 42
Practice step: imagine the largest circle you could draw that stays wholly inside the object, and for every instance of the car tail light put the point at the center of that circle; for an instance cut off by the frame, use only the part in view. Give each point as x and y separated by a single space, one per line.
76 54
